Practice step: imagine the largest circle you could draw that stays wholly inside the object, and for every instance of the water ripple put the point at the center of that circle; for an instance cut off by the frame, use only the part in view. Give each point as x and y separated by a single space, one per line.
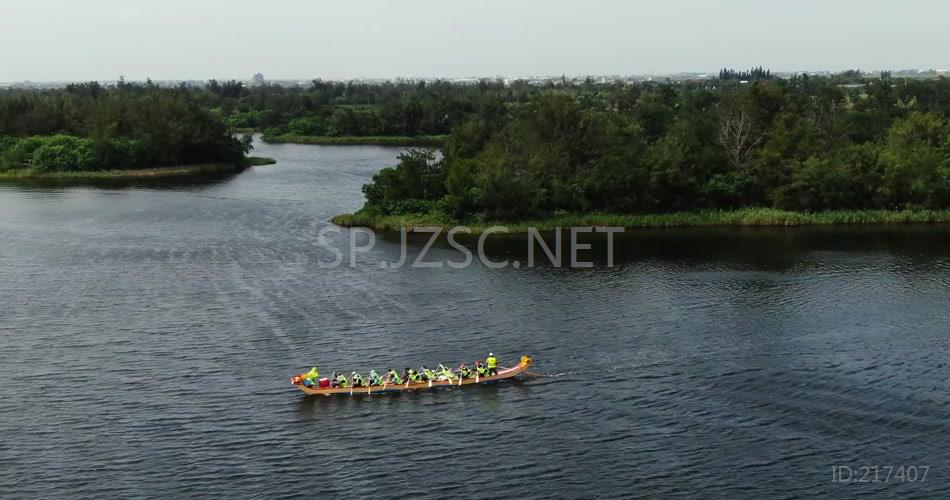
147 336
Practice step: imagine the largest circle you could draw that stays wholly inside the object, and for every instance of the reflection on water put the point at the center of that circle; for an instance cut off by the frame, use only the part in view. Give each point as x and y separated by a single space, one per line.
761 247
147 336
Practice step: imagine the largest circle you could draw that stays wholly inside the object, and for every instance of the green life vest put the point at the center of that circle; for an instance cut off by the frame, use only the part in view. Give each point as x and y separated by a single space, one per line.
396 378
342 380
358 380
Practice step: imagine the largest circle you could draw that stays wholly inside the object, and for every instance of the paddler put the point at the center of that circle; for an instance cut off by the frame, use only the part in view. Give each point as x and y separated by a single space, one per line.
374 378
465 371
481 369
445 373
492 363
392 377
358 380
426 374
412 375
338 380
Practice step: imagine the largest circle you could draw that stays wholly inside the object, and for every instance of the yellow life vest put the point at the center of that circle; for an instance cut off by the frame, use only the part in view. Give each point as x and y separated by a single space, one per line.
491 362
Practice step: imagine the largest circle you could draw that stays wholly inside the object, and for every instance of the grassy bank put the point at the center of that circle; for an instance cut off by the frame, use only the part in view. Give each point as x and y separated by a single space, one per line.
384 140
153 173
741 217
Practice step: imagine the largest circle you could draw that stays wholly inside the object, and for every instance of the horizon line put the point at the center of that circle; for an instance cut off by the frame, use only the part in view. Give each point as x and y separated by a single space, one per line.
572 76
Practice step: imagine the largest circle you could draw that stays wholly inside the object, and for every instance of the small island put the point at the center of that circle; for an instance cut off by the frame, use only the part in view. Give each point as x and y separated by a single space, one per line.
130 131
746 149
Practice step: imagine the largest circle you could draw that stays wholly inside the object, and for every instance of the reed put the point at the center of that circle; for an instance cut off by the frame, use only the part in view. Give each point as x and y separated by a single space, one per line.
157 172
746 217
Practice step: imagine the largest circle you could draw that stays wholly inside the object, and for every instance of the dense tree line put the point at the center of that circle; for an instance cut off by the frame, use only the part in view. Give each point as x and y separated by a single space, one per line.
804 143
525 149
401 108
91 127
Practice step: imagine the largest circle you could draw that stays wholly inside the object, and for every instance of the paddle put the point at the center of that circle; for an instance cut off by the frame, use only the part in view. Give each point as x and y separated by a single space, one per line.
461 365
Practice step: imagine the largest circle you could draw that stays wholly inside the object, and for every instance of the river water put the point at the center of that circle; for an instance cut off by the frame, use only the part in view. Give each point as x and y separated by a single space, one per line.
147 335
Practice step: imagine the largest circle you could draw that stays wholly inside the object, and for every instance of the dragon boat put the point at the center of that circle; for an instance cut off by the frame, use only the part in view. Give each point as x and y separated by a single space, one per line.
503 374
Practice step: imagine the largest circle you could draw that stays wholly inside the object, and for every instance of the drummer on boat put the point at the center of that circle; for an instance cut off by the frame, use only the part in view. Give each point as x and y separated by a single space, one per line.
310 377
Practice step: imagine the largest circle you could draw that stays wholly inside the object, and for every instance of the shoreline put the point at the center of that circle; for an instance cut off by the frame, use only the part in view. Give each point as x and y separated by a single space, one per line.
178 171
746 217
354 140
145 173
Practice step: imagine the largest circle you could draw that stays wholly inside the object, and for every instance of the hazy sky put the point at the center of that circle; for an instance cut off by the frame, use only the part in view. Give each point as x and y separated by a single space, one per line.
174 39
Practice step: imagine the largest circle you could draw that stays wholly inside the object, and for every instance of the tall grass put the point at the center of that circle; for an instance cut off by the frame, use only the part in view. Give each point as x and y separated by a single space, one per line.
157 172
740 217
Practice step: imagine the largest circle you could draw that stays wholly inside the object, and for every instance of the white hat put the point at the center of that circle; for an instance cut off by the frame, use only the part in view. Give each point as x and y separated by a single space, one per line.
491 354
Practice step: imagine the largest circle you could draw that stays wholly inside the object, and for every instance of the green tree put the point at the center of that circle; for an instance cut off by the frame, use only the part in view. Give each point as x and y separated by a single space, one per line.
916 161
418 177
61 153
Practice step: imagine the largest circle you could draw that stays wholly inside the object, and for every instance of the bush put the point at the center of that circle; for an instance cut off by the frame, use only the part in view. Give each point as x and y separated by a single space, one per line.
120 153
62 153
308 125
418 176
19 153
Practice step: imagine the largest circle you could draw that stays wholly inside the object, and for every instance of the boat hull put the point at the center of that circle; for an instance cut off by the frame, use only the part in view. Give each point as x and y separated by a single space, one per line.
503 374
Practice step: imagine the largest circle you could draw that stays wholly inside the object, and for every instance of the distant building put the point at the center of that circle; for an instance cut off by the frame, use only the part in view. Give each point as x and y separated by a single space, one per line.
258 79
